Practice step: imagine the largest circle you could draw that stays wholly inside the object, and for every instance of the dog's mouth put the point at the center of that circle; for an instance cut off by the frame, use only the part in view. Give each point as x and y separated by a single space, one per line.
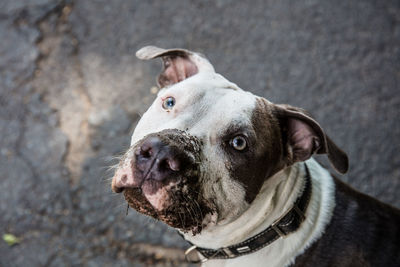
159 177
177 204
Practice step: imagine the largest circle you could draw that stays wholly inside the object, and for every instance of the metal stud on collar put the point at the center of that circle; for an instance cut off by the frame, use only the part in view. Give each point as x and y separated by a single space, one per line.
191 250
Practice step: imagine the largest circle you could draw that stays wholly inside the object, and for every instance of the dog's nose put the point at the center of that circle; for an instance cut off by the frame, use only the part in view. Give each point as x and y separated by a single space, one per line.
156 160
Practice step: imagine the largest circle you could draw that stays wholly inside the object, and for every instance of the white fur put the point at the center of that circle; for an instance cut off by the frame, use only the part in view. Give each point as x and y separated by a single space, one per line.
276 197
203 101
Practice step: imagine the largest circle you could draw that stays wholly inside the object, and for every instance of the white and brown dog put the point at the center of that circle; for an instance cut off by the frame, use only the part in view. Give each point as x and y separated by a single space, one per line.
233 173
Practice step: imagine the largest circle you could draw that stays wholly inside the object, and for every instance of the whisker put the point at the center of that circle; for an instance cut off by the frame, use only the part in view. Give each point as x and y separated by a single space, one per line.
127 209
192 206
198 207
179 213
121 206
187 207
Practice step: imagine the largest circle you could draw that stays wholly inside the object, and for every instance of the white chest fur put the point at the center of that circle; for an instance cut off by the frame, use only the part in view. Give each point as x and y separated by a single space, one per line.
275 198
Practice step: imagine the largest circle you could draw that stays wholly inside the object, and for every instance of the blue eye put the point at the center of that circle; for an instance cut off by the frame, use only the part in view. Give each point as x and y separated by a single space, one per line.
168 103
239 143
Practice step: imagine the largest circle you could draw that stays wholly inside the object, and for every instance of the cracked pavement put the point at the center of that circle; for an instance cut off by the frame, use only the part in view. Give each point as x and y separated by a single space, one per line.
71 92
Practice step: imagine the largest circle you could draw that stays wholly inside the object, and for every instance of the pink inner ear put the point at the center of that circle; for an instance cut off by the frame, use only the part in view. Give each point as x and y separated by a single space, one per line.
177 69
302 138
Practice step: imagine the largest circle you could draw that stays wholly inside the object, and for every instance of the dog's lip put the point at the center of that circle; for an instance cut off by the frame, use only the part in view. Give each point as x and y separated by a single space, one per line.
115 188
122 189
139 187
118 190
141 190
147 190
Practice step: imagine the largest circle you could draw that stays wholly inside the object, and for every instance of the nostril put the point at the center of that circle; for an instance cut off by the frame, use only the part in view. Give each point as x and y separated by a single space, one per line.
146 154
169 164
173 164
144 151
124 178
162 164
157 159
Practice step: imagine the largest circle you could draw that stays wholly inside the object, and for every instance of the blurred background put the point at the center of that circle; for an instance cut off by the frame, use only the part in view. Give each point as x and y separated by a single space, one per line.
72 91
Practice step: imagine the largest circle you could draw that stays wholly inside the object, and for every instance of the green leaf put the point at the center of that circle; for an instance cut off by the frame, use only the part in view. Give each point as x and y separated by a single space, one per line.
10 239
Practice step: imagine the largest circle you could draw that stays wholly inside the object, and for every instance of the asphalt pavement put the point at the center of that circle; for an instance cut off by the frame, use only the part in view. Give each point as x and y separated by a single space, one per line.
72 90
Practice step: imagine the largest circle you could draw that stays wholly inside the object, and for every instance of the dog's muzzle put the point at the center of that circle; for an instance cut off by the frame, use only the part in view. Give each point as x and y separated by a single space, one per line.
151 164
160 178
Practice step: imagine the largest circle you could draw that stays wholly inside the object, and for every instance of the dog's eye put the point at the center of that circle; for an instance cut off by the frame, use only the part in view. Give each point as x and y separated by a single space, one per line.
168 103
238 142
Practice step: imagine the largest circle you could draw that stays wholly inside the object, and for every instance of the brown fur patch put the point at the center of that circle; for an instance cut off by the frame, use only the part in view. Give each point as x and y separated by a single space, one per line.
265 154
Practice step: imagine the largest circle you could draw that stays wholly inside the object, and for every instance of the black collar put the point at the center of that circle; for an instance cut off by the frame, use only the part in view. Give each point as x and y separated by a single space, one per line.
286 224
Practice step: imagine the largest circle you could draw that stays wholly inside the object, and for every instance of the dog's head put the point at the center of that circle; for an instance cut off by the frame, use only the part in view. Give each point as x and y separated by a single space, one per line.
203 150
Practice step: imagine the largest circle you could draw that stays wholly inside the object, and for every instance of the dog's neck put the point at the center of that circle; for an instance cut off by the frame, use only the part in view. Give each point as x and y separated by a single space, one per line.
275 198
268 206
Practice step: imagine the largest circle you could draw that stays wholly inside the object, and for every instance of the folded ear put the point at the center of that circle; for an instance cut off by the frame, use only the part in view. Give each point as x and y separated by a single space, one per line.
304 137
178 64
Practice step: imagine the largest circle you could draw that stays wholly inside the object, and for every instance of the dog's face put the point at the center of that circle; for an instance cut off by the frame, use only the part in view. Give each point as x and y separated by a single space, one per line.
204 148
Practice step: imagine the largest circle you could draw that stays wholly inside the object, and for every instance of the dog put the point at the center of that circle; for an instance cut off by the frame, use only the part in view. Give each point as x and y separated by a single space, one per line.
234 174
